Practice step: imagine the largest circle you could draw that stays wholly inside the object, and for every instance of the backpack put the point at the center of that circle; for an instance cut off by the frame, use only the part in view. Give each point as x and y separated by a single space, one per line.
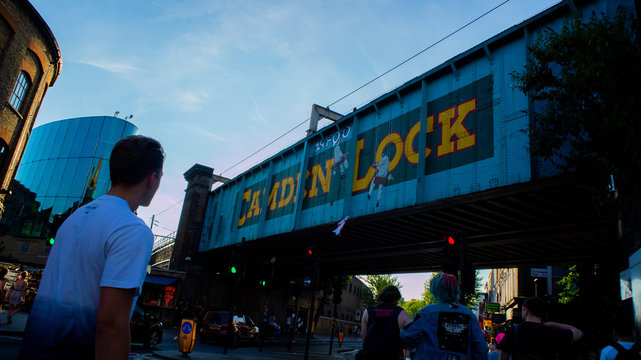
625 354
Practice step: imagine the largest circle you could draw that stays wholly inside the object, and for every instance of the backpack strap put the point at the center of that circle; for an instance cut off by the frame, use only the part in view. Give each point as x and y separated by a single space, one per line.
634 350
623 353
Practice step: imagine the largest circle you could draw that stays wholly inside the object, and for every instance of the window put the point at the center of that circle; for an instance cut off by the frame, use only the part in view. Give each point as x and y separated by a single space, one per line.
20 90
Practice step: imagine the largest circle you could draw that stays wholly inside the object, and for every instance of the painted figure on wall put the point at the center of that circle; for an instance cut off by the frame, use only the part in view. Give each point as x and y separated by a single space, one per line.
381 177
340 159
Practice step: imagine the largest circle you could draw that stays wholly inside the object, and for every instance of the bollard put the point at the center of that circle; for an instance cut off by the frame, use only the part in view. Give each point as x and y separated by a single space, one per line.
187 336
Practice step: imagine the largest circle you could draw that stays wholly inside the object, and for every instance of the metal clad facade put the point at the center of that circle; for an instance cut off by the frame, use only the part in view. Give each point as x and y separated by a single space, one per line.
469 115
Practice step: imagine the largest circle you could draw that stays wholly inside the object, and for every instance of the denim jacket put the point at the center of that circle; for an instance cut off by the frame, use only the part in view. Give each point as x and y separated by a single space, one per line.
445 332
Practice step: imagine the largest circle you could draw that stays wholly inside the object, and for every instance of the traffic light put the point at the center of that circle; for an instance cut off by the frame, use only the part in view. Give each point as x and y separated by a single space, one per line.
265 274
235 260
452 253
58 219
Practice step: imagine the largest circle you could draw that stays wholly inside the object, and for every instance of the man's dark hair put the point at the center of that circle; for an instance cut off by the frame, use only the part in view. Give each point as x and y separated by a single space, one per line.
535 306
134 158
389 295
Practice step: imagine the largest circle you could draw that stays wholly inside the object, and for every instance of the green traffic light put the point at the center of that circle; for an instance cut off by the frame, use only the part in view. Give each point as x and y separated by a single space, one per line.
51 241
233 269
262 283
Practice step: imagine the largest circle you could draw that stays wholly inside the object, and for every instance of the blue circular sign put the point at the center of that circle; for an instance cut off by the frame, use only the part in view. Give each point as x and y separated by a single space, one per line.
186 328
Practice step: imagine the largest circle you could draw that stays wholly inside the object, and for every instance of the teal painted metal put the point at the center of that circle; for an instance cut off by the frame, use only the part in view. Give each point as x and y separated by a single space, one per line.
458 129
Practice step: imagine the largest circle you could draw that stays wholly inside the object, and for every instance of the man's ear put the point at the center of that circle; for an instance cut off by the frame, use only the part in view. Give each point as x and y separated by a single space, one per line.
149 180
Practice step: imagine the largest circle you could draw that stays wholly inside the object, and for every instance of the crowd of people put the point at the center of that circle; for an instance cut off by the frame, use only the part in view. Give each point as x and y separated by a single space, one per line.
447 330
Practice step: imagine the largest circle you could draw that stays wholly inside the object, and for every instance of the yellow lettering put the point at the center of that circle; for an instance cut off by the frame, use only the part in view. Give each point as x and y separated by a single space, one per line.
271 203
246 197
410 154
296 187
362 183
397 141
449 129
324 178
288 188
254 209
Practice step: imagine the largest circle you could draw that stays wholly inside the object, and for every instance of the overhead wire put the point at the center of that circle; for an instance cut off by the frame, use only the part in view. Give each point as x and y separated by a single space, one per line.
376 78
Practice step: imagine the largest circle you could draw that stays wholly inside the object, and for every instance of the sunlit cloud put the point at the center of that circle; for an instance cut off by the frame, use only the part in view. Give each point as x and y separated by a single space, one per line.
190 100
112 66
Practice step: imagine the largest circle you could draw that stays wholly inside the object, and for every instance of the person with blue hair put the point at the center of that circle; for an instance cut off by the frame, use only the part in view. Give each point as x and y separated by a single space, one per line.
445 330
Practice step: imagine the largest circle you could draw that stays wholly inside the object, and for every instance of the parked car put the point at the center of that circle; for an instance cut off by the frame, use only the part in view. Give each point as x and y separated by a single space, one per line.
216 322
146 328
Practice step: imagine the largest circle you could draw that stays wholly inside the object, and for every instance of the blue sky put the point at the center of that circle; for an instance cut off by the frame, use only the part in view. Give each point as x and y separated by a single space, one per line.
215 80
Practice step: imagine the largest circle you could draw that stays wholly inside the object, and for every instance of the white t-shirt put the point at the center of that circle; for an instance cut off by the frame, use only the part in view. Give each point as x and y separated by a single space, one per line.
610 353
101 244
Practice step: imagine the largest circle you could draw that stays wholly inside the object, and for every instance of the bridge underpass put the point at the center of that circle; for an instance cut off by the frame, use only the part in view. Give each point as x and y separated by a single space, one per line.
549 222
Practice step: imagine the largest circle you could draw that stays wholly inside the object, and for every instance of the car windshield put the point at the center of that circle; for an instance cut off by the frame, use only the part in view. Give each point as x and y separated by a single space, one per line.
218 317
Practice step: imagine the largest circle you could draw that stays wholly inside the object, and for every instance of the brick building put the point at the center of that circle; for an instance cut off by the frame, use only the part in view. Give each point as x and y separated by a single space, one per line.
30 63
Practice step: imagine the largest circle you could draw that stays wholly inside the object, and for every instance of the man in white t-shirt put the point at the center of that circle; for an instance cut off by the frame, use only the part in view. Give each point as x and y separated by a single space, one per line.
98 264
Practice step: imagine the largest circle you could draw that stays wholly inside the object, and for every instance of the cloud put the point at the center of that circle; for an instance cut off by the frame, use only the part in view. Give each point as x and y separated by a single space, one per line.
258 115
111 66
190 100
200 131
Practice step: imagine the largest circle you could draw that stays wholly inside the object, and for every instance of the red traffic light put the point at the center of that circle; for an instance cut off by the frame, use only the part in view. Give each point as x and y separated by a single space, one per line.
450 240
310 252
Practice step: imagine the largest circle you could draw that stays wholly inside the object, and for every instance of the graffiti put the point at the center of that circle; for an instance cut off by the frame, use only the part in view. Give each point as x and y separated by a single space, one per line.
330 142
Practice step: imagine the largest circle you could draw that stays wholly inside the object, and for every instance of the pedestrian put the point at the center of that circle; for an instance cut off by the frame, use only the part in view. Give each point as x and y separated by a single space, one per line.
494 352
533 337
97 266
623 340
17 295
3 284
381 325
445 329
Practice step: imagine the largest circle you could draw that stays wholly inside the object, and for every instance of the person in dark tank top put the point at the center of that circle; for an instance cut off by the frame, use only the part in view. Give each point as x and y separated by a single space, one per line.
381 326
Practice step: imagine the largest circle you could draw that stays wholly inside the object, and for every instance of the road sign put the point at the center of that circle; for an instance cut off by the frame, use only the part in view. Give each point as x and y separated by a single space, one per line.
307 281
538 272
492 307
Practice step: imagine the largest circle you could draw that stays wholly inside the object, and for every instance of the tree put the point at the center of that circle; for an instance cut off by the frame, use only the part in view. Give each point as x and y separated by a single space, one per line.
377 283
413 306
469 300
583 81
570 290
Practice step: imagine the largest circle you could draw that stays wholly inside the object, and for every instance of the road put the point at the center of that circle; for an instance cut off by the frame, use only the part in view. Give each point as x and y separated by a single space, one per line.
274 349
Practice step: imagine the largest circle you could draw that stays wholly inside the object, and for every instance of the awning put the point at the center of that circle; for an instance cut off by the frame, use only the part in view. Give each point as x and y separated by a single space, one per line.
160 280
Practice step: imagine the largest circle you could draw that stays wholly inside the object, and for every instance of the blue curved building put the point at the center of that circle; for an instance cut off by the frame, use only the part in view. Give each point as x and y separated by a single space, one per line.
66 162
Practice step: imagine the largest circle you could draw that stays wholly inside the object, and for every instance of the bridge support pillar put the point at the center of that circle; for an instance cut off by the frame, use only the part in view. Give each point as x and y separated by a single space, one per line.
185 256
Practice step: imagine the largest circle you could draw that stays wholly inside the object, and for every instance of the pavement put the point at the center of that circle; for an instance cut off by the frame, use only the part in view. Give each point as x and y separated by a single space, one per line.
19 322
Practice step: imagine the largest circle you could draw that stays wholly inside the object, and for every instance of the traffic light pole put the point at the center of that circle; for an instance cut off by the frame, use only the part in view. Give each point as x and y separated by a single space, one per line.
311 310
331 338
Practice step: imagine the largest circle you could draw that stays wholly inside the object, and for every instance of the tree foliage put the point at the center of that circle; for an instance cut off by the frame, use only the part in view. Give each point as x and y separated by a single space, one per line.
584 80
377 283
570 287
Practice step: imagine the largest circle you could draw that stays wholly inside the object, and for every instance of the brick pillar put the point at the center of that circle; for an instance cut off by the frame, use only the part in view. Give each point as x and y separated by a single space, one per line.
185 255
199 181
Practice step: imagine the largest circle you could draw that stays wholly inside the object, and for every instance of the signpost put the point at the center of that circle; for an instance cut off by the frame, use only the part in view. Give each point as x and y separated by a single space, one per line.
539 272
492 307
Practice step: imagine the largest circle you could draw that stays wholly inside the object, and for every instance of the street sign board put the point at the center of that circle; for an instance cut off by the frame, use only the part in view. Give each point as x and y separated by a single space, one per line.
307 281
538 272
498 318
492 307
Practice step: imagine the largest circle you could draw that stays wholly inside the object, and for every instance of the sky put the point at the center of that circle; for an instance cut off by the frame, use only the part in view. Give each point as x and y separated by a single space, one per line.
216 80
